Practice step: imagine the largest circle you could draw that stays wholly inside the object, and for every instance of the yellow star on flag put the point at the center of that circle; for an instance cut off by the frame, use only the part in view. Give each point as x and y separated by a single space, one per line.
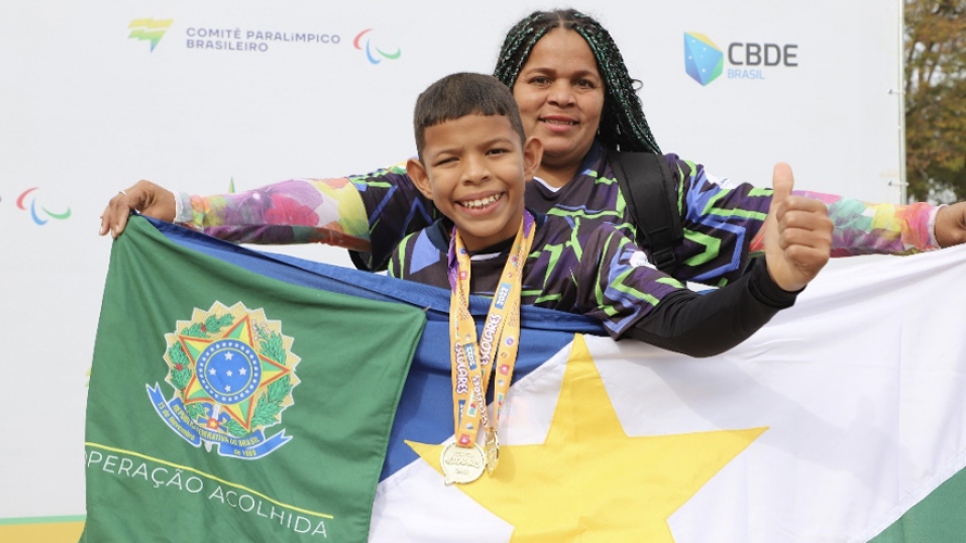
589 481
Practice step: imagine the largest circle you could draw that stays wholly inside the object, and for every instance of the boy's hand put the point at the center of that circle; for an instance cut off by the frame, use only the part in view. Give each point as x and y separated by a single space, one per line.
150 199
798 234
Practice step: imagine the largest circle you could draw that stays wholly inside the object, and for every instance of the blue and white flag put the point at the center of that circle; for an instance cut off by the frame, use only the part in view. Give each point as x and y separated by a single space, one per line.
844 419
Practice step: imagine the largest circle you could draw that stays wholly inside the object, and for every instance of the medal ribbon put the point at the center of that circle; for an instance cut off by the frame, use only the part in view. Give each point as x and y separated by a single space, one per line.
473 361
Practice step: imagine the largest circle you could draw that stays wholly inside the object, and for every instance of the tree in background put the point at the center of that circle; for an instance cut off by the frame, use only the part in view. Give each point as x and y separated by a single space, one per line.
935 79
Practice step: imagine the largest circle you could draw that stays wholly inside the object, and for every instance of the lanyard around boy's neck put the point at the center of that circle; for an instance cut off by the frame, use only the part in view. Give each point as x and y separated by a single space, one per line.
463 460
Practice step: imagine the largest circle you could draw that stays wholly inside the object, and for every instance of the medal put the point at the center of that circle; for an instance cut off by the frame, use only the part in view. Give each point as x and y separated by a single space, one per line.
475 361
492 447
462 465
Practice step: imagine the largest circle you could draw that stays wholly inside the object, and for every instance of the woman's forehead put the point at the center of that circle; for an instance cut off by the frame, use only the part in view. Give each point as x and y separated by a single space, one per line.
562 47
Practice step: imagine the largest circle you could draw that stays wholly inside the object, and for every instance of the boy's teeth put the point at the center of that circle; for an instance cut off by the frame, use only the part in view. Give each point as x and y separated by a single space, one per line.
481 202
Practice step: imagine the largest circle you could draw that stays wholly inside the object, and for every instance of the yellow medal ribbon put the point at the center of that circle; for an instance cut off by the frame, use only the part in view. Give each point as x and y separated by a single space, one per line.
472 361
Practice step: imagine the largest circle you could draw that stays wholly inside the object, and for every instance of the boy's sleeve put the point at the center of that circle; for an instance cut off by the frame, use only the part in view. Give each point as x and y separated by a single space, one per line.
634 300
699 324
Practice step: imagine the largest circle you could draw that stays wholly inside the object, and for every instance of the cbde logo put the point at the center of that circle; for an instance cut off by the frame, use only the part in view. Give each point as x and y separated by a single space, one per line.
704 61
149 29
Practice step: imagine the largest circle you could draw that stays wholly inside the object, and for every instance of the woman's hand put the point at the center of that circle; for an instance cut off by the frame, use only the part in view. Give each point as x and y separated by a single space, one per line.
145 197
951 225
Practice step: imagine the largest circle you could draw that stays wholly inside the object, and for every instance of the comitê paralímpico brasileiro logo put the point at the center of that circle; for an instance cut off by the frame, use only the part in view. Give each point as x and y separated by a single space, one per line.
233 373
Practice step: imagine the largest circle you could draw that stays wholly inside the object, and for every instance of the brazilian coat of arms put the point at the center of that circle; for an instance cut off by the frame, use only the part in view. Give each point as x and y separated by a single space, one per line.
232 371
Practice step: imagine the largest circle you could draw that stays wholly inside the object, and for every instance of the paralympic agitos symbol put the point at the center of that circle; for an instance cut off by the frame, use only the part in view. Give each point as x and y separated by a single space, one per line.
369 49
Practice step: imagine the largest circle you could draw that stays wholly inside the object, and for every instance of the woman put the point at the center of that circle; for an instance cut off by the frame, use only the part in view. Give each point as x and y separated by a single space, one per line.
574 94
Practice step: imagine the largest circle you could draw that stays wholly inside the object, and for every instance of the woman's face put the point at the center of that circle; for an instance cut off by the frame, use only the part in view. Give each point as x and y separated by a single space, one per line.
561 95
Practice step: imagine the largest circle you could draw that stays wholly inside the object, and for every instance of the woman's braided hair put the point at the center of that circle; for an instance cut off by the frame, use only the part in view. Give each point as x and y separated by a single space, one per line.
622 123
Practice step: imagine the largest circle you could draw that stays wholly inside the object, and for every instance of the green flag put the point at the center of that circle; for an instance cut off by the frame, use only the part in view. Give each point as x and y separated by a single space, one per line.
226 405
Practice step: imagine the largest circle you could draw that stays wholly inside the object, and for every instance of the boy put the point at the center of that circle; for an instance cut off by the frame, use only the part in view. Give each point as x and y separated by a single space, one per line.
473 163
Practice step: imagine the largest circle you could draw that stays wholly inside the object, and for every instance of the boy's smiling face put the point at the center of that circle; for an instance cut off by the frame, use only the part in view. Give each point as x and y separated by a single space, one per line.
475 169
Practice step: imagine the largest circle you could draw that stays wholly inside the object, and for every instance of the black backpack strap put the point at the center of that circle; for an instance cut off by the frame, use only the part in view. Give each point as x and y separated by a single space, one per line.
651 196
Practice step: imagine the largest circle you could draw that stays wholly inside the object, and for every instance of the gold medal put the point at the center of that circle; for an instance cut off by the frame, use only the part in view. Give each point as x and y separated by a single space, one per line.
473 361
462 465
492 450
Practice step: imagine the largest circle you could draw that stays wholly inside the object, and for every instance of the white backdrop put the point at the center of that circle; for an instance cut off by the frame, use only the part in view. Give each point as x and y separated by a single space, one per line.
85 110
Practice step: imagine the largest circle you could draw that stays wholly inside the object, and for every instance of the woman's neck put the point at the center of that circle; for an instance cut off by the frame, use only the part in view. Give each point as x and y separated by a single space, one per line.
557 176
558 170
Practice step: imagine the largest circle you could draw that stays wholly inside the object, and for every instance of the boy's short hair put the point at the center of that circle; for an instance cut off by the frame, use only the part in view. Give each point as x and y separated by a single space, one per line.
458 95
